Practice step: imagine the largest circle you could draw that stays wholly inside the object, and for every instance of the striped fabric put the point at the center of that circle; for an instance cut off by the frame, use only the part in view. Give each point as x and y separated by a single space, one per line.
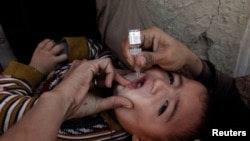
16 100
102 127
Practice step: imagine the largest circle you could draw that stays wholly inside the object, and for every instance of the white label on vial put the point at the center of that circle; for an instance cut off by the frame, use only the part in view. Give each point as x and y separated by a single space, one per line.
135 51
134 37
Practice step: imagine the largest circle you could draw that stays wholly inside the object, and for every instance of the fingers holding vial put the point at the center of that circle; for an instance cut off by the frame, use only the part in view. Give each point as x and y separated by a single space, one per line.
134 37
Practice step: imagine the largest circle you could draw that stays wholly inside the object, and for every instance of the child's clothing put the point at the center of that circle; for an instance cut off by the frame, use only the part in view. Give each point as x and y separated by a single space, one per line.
22 91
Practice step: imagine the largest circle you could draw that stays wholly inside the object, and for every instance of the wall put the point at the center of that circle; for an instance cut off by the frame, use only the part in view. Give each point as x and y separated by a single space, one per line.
6 52
211 28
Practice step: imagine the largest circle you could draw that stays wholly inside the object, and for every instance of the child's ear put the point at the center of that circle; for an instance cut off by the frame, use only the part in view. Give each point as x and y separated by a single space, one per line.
136 138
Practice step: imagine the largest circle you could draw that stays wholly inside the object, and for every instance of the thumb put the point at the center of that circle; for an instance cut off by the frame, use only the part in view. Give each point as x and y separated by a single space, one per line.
146 59
113 102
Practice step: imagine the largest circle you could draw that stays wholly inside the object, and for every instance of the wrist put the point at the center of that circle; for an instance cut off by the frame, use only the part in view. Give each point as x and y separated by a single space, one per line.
54 100
194 65
35 67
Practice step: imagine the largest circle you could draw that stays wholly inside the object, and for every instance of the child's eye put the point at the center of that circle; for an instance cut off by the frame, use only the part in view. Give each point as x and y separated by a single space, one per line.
171 78
163 108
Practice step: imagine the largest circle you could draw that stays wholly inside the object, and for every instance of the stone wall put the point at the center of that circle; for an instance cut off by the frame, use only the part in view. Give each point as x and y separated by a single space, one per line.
211 28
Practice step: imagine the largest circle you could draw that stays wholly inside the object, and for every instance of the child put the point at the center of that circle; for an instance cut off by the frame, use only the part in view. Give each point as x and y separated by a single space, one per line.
37 77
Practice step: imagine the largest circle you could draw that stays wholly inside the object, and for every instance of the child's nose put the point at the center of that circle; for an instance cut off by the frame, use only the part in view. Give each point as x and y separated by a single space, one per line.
159 85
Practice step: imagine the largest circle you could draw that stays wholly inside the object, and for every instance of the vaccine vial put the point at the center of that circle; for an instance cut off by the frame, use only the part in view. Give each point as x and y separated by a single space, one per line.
135 45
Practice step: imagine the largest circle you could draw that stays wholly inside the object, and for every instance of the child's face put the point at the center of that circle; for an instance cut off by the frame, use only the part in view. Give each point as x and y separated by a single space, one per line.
163 103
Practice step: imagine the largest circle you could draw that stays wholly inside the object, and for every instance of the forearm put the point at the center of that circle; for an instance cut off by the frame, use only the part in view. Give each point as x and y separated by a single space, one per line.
194 65
219 85
226 106
45 117
209 77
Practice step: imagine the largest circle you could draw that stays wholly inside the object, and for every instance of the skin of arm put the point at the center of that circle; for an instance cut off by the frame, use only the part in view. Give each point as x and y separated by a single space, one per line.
17 72
47 50
15 101
228 109
39 65
17 78
42 116
16 94
69 99
167 52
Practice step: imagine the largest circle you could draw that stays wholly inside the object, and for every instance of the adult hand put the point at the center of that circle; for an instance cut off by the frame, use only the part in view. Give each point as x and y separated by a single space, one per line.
76 83
69 99
47 56
167 52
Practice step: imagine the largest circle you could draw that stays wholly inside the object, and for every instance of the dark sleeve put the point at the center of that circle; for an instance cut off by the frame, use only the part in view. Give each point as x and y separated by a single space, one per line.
243 86
215 81
227 109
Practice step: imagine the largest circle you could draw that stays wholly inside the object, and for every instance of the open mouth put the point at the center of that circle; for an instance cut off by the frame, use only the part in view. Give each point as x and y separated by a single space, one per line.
138 83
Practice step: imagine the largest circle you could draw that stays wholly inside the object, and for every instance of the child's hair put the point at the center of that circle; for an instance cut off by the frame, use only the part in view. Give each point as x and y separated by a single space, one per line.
197 130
